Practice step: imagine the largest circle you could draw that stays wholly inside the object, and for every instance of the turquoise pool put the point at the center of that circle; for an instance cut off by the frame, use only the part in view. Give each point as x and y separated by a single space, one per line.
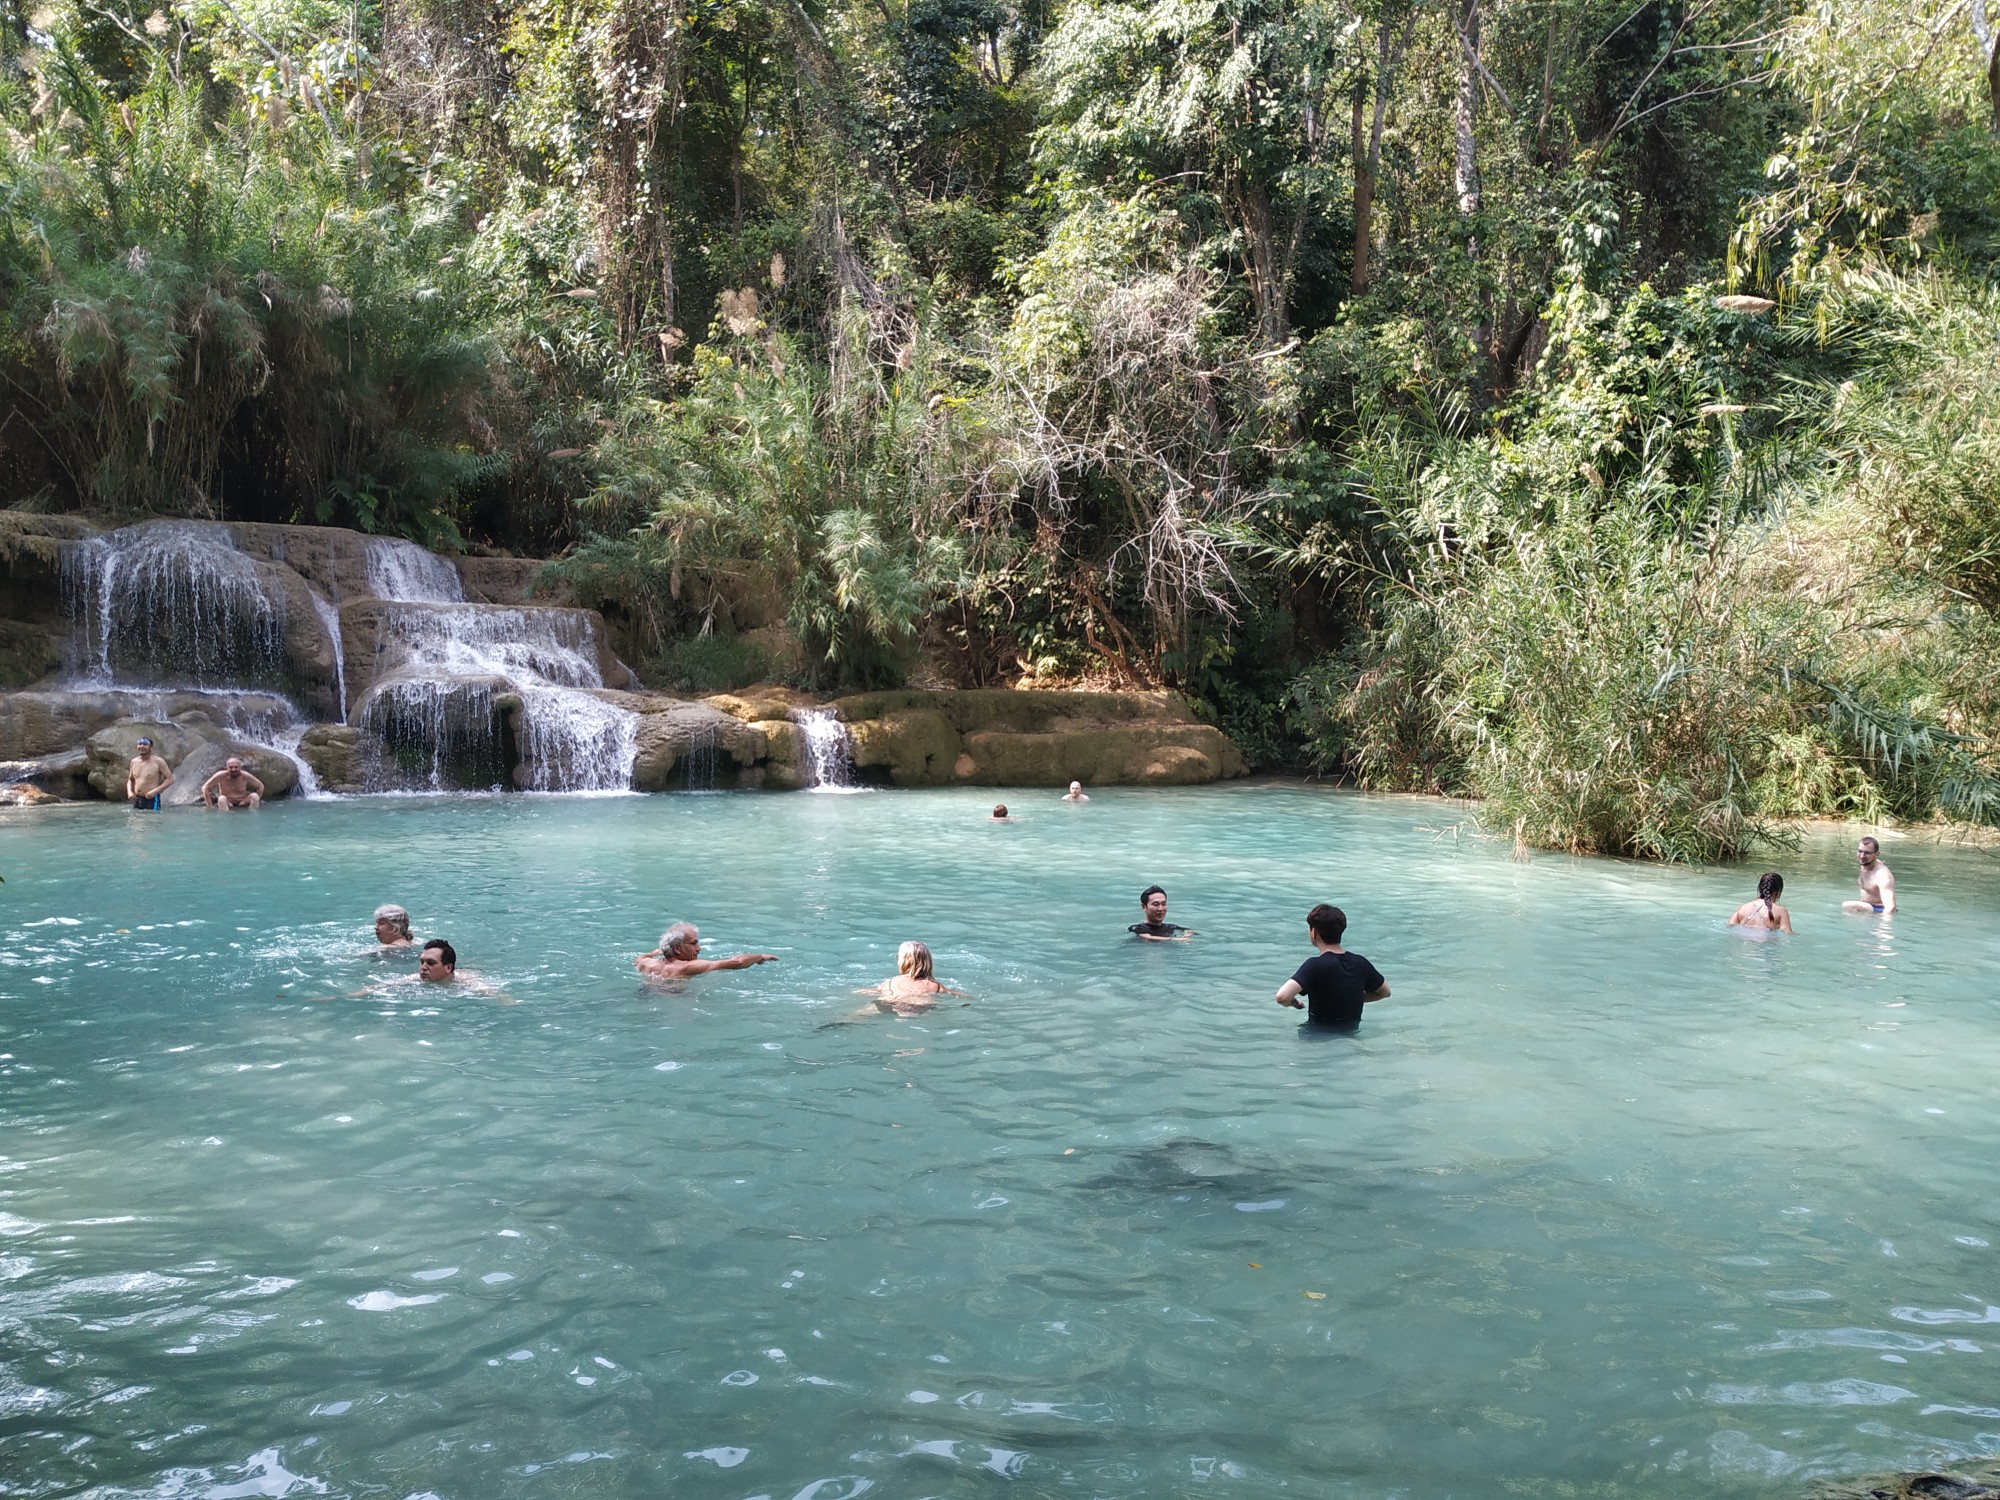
1606 1200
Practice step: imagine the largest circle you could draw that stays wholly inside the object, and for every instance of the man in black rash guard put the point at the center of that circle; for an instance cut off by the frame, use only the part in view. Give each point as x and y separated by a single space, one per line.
1338 983
1156 928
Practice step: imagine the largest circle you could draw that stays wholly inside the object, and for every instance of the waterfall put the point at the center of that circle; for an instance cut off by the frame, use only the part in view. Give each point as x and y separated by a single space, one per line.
406 573
330 618
447 664
172 604
698 764
829 751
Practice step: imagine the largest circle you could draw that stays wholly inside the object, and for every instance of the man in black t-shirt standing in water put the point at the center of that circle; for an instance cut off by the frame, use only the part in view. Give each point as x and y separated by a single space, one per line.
1338 983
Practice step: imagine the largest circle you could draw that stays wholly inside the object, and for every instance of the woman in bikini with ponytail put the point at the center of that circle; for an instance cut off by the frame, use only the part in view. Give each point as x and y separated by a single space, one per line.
1764 914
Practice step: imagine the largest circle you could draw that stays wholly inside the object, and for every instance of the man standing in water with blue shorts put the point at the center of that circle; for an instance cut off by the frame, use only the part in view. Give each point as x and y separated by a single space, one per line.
147 777
1338 983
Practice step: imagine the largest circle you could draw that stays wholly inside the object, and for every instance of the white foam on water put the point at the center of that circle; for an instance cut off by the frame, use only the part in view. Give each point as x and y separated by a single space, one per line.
389 1301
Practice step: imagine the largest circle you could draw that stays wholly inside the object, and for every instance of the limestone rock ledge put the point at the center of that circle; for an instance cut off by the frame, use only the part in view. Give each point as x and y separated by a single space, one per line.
1002 737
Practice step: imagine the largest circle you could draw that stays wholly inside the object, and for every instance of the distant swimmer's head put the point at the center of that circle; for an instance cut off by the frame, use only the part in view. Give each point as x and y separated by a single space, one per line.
1076 789
913 961
999 812
438 962
682 941
392 924
1153 901
1327 923
1770 886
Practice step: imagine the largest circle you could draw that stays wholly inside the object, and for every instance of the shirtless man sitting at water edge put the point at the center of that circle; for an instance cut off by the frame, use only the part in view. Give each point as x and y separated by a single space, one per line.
1764 914
915 987
1156 928
147 777
679 956
232 788
1878 885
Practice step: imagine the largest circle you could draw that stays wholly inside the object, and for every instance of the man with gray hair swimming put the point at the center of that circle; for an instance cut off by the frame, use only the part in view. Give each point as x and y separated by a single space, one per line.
679 956
392 926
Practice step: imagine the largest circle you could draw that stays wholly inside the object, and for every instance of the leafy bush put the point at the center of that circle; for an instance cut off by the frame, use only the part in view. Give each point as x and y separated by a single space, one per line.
712 663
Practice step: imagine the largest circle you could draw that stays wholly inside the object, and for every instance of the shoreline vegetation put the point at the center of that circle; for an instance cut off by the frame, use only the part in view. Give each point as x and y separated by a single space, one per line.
1595 411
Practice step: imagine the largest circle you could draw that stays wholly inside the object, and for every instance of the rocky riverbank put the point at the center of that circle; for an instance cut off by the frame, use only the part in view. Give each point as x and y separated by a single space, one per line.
346 663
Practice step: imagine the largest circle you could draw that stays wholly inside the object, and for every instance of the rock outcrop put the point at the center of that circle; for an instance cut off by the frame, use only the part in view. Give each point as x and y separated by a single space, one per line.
390 666
194 747
998 737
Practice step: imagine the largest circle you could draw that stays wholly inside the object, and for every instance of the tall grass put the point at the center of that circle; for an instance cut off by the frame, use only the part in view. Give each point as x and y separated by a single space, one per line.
205 312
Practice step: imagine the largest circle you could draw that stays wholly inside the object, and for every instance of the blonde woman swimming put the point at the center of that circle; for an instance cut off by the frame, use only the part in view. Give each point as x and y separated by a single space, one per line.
915 987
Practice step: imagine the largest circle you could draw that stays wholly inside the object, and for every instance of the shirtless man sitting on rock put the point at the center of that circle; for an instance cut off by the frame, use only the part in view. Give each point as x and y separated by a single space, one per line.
232 788
147 777
1878 886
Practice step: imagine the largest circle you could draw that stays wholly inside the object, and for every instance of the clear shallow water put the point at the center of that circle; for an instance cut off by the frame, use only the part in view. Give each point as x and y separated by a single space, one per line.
1606 1196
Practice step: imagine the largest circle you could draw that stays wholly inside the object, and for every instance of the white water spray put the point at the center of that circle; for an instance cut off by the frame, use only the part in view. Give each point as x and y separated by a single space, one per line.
829 751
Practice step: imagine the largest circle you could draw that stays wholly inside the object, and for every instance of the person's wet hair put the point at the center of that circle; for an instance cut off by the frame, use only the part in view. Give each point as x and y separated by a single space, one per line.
1327 922
1149 893
674 936
1770 886
395 916
913 961
444 950
1871 846
999 809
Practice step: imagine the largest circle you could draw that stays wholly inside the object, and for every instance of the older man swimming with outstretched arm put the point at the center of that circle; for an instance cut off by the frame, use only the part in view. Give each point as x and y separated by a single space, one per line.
679 956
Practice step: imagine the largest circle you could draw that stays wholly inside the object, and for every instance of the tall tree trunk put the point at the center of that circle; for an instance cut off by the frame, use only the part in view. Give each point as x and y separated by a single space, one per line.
1364 197
1267 283
1989 48
1465 116
640 74
1368 154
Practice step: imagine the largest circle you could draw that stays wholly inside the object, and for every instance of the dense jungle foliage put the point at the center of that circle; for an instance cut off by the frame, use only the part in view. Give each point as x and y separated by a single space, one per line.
1586 405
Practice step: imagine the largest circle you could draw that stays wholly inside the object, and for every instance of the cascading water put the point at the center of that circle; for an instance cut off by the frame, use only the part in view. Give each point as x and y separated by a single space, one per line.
829 751
451 669
172 604
406 573
700 758
173 608
329 618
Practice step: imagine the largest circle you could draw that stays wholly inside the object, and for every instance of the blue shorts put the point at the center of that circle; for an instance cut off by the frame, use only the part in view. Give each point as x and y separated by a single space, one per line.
152 804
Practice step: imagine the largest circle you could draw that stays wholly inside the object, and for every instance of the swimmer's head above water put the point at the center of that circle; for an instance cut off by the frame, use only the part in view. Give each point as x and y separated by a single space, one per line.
438 964
913 961
680 941
392 924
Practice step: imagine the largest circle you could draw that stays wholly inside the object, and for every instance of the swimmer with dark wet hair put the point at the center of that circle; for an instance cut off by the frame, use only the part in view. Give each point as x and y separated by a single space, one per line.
1878 885
1156 928
1764 914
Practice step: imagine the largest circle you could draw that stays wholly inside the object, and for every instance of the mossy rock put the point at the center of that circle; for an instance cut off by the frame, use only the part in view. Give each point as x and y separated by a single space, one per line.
918 746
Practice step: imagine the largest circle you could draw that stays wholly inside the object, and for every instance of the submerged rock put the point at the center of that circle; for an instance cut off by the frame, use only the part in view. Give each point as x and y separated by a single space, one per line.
1976 1481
